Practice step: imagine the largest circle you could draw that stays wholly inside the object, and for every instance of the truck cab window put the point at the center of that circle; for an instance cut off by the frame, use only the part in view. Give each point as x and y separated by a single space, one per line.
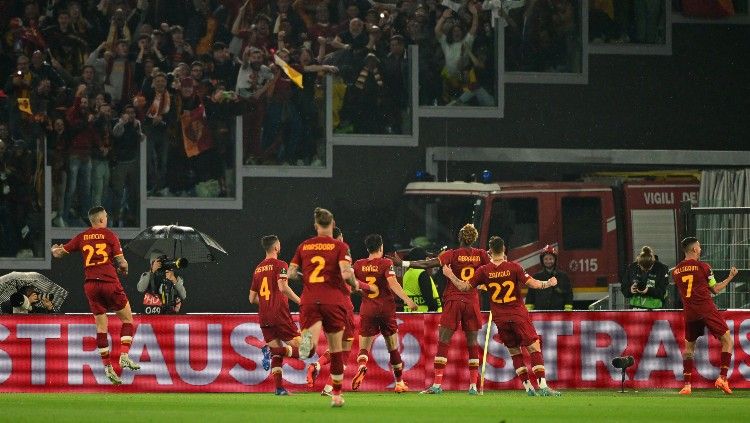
516 220
582 223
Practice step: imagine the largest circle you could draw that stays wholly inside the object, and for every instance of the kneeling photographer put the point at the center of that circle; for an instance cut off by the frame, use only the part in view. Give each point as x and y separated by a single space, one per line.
163 290
646 281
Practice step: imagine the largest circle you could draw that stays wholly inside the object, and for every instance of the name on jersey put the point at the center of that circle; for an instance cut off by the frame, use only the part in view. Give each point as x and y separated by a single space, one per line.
266 268
318 247
93 236
684 269
468 259
501 274
370 268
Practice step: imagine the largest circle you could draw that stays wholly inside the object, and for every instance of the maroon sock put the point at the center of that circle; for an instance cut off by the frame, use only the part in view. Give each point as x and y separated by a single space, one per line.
276 361
440 361
295 352
396 364
126 337
726 358
687 369
473 364
520 366
537 364
337 371
280 351
102 343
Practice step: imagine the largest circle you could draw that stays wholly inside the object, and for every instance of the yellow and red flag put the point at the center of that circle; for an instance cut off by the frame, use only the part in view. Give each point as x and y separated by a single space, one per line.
24 105
292 73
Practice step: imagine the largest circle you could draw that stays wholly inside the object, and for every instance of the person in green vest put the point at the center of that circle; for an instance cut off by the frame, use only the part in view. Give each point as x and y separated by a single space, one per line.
646 281
417 282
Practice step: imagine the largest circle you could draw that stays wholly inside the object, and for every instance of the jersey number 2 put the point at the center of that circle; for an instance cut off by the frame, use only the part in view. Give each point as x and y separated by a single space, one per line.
101 253
499 289
315 275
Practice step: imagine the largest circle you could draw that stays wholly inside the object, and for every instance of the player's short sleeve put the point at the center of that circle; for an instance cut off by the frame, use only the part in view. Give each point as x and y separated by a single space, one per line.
446 257
708 272
282 270
74 244
388 269
521 274
297 259
479 277
343 253
114 241
254 283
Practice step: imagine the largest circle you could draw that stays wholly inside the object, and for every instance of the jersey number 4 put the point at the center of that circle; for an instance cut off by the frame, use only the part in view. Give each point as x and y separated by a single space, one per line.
264 291
98 251
499 290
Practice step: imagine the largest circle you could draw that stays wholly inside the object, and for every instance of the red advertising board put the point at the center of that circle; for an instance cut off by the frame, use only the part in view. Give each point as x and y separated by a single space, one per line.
221 353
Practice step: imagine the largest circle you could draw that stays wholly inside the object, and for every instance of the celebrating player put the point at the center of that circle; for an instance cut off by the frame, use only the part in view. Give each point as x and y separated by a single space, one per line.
348 338
378 311
695 281
503 279
270 290
458 307
326 266
101 250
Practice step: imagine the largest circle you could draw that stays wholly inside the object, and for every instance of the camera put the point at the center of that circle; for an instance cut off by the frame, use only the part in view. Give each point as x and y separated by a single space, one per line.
172 264
47 296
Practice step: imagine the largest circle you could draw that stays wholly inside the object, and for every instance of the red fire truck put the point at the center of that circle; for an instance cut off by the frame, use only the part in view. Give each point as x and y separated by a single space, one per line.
597 228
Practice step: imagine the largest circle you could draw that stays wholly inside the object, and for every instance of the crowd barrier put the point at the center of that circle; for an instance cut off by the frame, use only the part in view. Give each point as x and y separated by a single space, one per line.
221 353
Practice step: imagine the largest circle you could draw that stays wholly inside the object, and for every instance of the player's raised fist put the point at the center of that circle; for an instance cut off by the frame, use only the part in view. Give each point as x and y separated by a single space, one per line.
552 281
733 272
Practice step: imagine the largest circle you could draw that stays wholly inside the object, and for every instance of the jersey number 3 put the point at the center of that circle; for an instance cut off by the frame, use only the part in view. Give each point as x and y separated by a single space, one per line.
499 289
100 253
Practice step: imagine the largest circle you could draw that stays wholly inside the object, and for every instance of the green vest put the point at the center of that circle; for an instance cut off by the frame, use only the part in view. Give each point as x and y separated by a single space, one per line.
641 301
411 288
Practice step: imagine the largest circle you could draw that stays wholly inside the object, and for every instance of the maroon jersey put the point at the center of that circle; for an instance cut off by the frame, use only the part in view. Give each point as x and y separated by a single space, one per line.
376 272
273 305
319 258
504 282
692 280
464 262
98 247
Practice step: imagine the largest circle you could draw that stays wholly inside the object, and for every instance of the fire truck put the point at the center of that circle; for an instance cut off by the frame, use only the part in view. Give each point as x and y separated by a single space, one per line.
597 228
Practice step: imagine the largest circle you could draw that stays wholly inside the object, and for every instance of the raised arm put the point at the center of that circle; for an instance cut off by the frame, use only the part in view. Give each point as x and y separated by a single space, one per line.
58 251
721 285
399 291
293 272
441 21
417 264
474 19
347 272
537 284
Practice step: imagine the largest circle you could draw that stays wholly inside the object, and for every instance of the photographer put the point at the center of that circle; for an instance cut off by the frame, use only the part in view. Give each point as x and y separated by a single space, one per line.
163 290
27 300
646 281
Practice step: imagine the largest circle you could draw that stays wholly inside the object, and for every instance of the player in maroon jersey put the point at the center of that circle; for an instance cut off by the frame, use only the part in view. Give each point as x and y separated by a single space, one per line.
695 281
504 280
378 310
270 290
101 251
348 338
326 266
459 308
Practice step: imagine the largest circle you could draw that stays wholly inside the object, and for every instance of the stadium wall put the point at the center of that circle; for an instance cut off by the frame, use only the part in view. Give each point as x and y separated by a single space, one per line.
221 353
695 99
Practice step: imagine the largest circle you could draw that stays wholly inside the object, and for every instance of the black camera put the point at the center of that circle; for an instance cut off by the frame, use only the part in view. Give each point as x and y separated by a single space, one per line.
172 264
623 362
47 296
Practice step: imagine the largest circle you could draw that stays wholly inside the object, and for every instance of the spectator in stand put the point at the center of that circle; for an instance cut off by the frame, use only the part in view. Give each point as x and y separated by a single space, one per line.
58 139
177 49
101 153
117 70
312 128
84 137
362 104
66 46
127 136
253 82
159 116
560 297
44 70
397 82
225 67
282 117
455 50
20 85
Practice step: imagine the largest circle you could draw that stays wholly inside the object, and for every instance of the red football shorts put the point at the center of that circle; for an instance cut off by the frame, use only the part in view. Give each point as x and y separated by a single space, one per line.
515 331
351 329
333 316
716 325
104 296
461 312
283 329
377 322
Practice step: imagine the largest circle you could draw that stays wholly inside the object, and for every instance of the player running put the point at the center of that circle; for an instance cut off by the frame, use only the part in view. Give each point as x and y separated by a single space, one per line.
695 281
101 250
503 280
326 266
270 290
378 310
459 308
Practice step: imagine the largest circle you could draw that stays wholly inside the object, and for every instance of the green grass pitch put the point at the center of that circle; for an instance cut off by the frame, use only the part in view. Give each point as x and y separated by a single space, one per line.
581 406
